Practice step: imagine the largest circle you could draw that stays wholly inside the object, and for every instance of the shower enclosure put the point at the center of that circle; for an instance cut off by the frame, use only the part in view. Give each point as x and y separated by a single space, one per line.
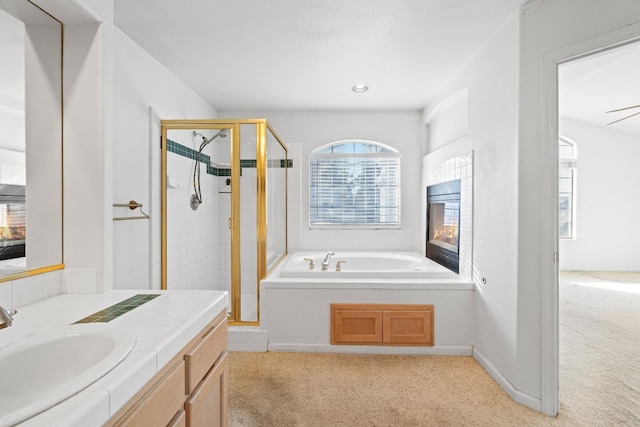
224 208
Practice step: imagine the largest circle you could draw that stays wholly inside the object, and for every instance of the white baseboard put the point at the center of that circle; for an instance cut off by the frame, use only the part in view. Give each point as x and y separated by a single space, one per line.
242 338
248 347
372 349
525 399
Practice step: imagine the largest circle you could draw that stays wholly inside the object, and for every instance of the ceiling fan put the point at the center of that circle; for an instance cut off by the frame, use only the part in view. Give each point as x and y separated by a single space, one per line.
623 109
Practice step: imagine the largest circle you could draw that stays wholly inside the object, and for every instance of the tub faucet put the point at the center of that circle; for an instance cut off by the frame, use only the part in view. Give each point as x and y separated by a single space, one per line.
5 317
325 263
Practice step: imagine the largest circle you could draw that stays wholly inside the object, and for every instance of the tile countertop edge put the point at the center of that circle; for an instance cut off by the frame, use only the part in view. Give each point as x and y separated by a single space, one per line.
144 361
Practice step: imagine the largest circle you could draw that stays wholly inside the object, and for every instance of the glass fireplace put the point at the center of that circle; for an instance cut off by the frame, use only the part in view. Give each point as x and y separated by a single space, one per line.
443 224
12 221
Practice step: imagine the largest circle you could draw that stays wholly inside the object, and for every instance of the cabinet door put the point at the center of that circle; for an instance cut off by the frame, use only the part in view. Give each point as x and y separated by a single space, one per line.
408 327
208 405
161 403
356 326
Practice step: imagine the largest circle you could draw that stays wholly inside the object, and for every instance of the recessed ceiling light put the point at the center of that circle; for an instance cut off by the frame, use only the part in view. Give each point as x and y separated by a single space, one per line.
360 87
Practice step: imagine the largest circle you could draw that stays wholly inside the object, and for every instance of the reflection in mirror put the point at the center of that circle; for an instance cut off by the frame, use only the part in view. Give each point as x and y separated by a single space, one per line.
30 139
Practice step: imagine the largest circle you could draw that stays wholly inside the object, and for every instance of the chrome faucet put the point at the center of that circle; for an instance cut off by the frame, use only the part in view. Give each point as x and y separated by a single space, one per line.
5 317
325 263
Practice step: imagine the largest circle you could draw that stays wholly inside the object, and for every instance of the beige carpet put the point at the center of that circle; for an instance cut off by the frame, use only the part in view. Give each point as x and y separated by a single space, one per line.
599 384
600 347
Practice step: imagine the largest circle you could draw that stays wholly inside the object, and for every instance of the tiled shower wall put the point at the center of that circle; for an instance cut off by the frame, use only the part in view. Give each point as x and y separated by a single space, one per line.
192 235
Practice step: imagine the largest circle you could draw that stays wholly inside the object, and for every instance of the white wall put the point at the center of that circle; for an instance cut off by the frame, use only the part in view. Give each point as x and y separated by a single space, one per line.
482 100
447 119
311 130
141 82
106 116
571 28
607 229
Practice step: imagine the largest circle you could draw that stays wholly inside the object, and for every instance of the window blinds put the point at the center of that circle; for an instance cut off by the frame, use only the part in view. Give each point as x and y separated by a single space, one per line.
355 189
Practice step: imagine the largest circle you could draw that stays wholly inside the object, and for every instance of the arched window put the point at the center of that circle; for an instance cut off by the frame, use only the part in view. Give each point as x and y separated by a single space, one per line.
354 184
567 168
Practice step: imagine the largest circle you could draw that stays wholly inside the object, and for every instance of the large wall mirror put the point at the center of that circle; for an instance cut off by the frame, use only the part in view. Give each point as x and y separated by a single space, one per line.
30 140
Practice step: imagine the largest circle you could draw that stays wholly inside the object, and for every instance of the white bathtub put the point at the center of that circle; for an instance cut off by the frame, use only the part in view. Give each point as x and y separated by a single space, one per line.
383 265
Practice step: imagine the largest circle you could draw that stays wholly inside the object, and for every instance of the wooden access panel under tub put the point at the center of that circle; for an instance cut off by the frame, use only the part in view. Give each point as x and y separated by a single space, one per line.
382 324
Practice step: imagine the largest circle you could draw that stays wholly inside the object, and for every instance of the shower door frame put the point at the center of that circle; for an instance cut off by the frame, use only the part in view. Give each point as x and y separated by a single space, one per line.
234 221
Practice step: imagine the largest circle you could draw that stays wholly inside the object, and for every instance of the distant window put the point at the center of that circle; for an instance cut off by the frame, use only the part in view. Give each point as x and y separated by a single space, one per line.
567 169
354 184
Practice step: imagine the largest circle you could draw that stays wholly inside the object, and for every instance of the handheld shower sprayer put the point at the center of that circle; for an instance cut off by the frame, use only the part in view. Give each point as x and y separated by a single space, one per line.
196 198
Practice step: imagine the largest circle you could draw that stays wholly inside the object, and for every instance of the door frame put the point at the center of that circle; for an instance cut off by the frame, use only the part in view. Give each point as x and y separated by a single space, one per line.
550 274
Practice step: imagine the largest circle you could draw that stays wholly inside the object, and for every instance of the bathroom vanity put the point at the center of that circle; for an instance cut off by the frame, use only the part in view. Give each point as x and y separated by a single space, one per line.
192 390
175 374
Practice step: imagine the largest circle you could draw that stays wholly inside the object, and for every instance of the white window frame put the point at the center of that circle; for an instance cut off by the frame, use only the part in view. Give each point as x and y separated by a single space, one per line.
570 164
382 151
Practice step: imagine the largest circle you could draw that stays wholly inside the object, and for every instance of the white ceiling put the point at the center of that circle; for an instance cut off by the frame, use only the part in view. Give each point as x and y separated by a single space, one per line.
307 54
590 86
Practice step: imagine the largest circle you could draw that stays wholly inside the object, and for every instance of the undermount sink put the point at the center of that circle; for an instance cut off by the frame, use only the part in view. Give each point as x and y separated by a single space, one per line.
46 368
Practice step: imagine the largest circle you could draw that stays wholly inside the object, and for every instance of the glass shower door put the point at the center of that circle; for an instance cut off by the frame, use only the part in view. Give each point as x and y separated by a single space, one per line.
223 209
248 284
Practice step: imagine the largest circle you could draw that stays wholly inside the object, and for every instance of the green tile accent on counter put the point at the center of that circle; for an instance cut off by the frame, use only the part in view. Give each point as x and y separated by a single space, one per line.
118 309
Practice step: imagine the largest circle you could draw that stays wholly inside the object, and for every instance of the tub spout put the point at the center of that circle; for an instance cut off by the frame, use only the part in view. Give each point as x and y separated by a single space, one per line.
6 318
325 263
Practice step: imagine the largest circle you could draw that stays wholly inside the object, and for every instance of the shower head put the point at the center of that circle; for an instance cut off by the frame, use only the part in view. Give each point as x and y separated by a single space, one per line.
196 199
221 133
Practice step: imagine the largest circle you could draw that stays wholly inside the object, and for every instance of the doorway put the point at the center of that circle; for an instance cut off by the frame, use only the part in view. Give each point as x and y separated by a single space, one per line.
599 283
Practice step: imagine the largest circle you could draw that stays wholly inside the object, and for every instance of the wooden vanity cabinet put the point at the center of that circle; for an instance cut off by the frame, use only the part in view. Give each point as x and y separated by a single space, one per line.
207 405
190 391
161 403
180 420
382 324
203 354
207 380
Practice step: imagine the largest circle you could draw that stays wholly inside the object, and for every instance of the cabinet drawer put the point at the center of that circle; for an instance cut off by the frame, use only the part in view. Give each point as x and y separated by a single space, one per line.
201 357
207 406
161 403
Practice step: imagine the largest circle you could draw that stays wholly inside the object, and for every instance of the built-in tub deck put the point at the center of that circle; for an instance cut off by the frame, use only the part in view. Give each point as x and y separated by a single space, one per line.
371 268
295 300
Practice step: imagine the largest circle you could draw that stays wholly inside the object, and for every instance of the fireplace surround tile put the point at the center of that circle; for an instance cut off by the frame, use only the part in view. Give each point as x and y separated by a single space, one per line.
460 167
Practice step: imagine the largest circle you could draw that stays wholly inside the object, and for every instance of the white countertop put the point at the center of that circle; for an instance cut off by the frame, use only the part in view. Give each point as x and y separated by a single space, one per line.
163 326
